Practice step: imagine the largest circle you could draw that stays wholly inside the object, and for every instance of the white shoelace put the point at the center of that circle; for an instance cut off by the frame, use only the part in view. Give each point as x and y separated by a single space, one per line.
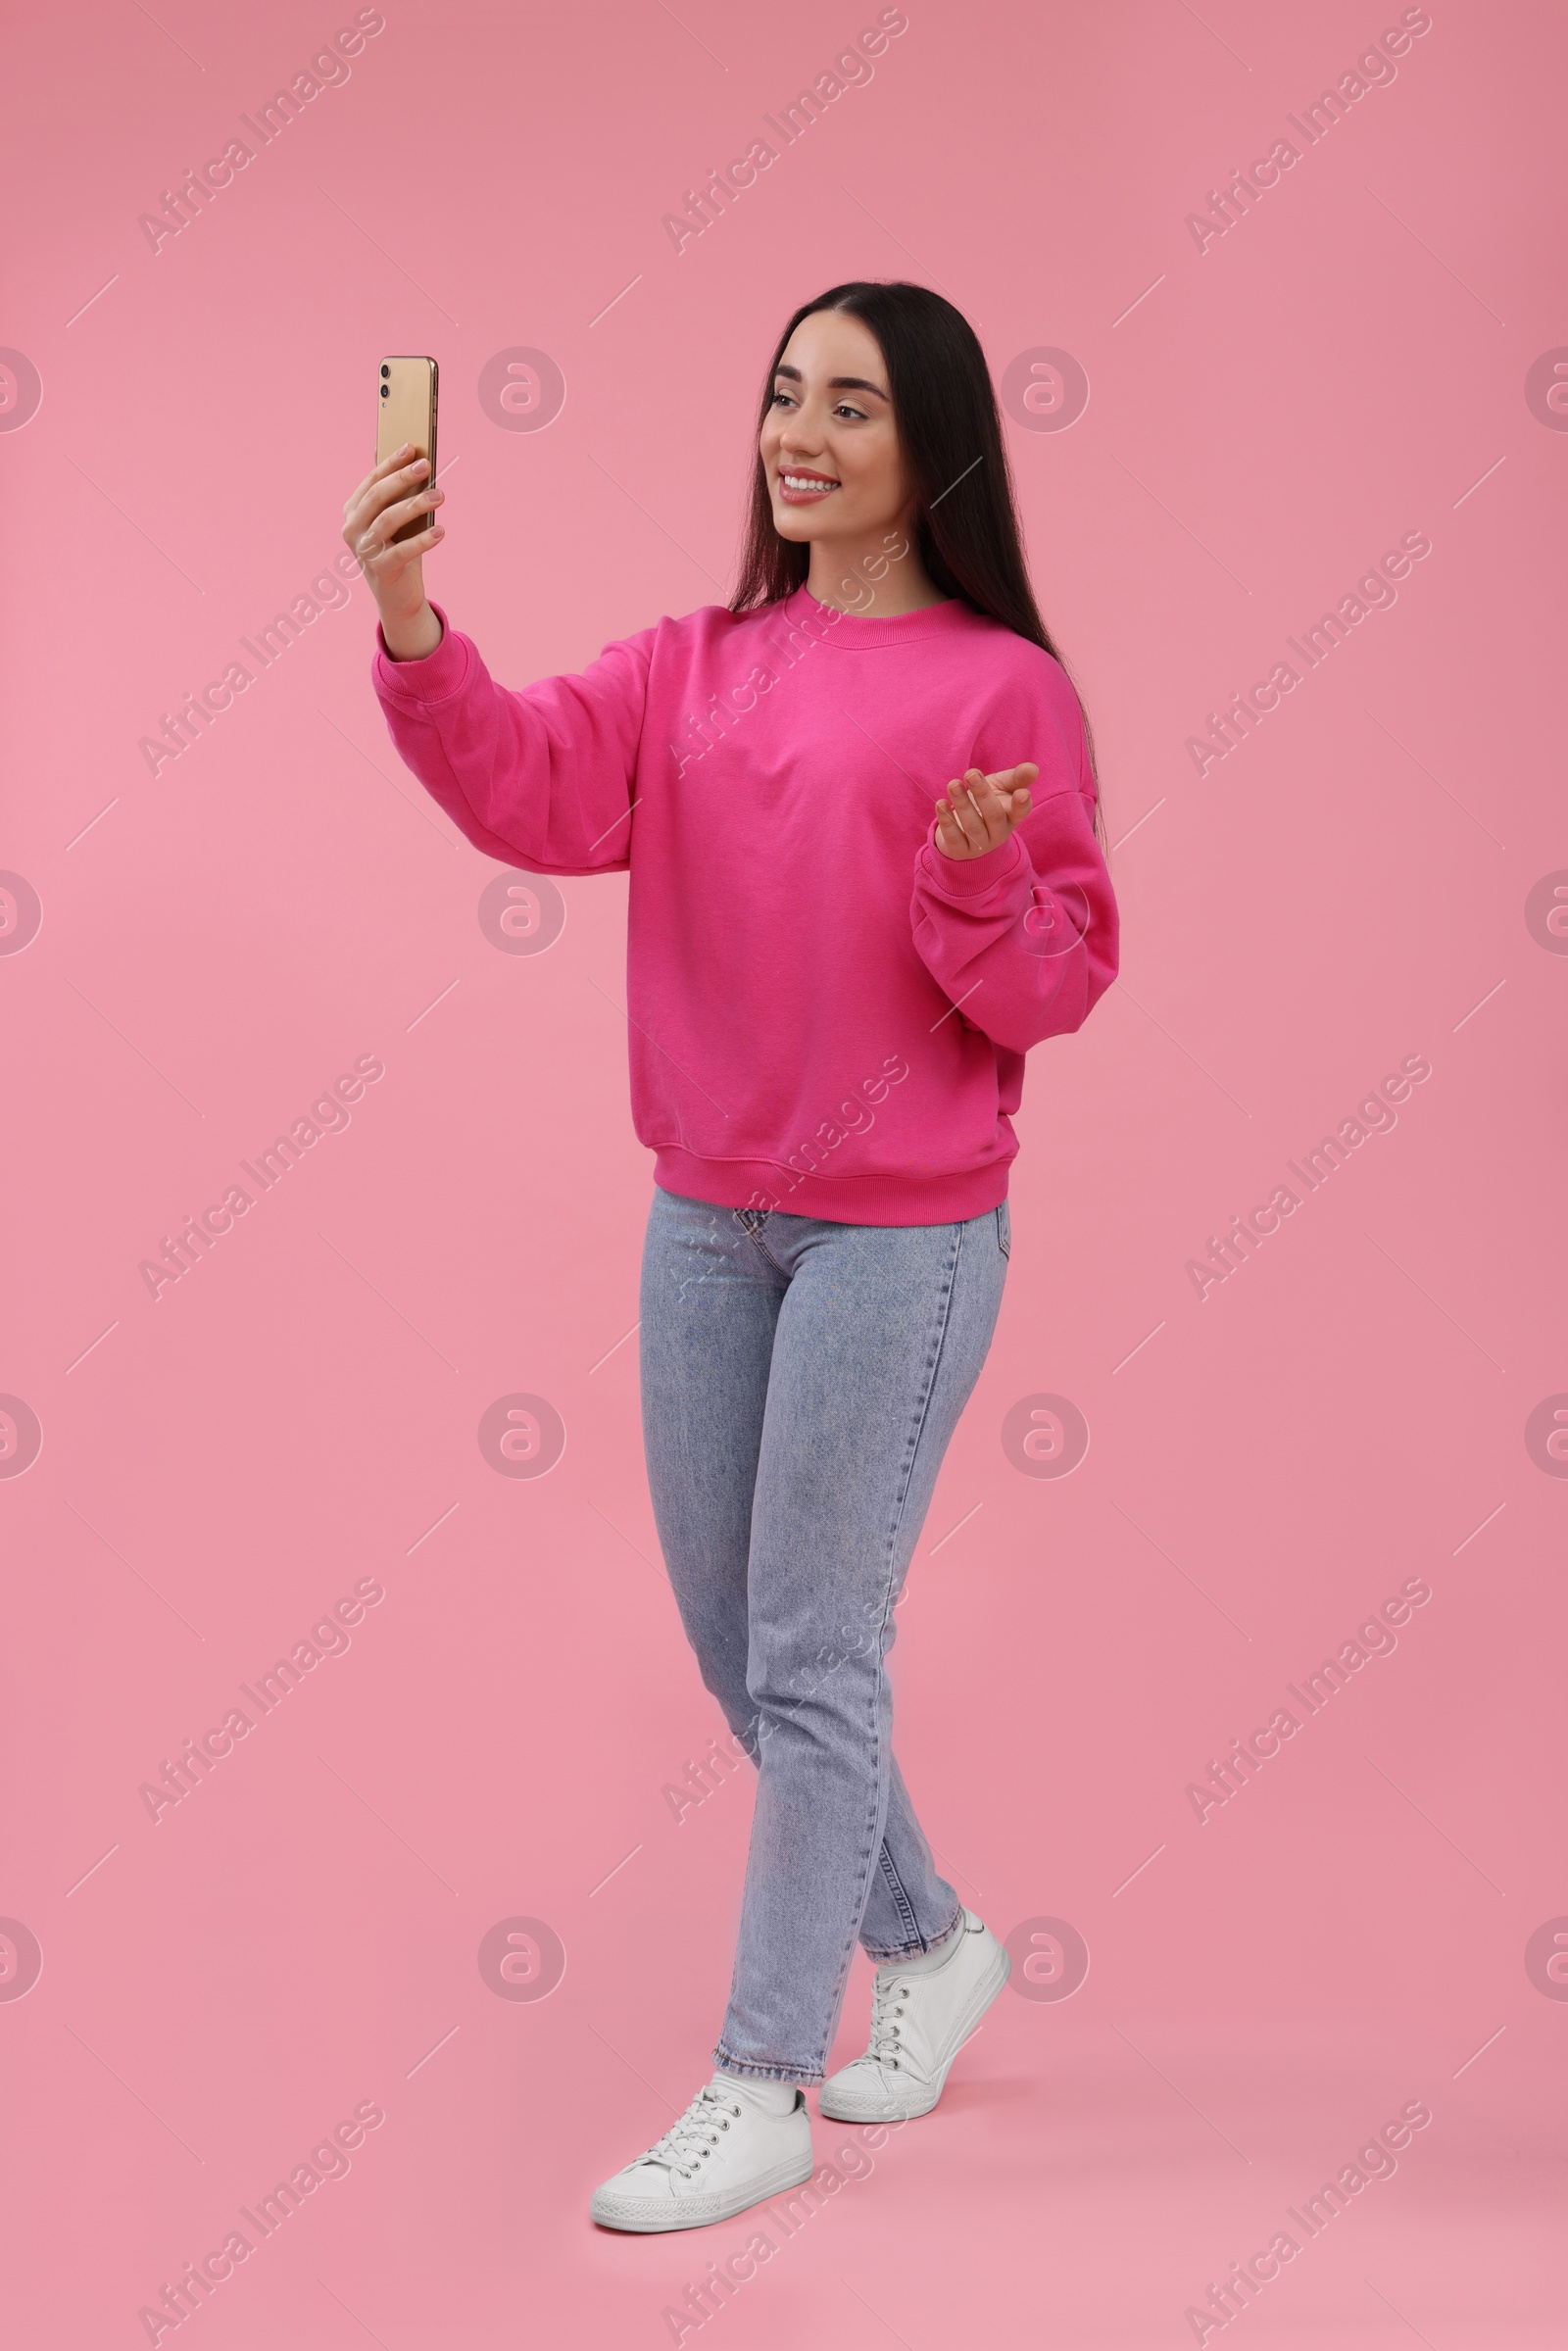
687 2142
887 2006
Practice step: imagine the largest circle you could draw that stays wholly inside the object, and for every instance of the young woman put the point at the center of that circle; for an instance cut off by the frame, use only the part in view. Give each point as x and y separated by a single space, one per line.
835 967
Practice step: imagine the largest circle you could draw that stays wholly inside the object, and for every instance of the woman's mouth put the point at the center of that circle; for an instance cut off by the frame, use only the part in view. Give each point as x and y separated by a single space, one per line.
803 489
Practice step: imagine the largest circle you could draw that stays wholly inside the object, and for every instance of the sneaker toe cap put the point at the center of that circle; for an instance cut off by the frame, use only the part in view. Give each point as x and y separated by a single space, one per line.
649 2183
863 2089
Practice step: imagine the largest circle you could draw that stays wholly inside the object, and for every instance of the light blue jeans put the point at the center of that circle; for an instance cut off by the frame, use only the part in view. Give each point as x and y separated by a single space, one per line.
800 1383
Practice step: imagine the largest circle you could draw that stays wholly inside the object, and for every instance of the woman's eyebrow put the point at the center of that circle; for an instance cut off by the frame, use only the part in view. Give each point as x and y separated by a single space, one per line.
836 383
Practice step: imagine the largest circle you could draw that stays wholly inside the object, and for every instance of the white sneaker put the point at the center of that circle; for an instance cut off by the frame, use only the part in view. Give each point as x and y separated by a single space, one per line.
724 2154
919 2025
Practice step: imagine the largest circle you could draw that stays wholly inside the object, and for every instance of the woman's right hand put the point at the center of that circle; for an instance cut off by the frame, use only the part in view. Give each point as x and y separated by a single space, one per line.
394 493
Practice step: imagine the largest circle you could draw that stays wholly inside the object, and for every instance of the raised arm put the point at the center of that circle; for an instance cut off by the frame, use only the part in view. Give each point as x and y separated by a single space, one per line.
541 777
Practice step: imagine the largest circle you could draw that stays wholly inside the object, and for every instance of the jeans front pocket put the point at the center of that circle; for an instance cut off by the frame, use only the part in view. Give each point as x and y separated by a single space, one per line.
1005 1228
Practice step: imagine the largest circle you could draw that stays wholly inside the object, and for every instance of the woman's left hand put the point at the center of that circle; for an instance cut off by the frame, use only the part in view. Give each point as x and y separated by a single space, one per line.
979 813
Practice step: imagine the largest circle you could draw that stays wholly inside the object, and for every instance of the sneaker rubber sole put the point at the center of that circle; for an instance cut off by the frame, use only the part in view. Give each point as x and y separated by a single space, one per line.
648 2214
851 2104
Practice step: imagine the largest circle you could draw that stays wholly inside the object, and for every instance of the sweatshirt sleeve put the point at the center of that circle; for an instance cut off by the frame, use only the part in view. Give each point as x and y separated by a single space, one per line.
1023 939
541 777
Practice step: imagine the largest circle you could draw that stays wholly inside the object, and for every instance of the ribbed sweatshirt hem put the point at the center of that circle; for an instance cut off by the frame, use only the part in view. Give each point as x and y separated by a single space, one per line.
897 1199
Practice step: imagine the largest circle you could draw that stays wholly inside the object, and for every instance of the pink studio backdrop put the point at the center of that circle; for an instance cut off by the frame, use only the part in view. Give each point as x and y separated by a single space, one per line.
508 1741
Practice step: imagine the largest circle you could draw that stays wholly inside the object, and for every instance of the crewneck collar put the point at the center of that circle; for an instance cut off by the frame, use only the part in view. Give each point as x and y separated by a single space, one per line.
853 632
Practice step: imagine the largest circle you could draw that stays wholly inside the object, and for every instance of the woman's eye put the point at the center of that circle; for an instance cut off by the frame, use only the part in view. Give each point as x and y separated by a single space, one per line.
844 408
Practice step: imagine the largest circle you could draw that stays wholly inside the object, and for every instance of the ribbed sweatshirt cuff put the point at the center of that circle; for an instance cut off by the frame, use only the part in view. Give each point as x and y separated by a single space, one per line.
435 678
966 877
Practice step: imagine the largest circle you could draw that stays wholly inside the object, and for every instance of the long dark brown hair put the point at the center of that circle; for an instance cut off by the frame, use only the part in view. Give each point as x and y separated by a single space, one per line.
945 408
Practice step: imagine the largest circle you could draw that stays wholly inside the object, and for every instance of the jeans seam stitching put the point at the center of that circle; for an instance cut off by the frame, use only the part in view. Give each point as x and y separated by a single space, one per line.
756 1238
908 1951
896 1888
925 1401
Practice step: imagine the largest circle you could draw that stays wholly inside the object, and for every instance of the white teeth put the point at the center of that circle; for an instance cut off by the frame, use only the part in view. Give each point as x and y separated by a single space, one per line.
796 481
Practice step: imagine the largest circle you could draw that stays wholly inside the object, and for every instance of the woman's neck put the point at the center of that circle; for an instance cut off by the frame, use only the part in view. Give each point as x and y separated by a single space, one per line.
871 577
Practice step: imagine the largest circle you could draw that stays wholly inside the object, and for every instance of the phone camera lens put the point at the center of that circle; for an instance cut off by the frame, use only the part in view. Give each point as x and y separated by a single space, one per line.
386 371
386 391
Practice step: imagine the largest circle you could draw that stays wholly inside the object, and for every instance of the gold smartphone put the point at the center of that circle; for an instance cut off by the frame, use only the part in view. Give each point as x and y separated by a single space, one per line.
407 404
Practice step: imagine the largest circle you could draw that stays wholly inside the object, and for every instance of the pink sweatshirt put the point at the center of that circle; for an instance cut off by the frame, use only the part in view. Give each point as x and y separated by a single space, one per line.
826 1013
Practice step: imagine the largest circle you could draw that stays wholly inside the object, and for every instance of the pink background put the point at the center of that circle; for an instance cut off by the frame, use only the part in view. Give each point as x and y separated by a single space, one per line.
1267 418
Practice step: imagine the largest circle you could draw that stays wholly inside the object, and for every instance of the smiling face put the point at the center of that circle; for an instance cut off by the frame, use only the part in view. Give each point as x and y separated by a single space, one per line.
829 445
